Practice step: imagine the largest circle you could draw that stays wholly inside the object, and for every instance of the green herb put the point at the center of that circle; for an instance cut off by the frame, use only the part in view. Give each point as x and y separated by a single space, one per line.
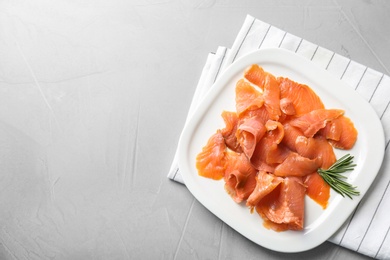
334 178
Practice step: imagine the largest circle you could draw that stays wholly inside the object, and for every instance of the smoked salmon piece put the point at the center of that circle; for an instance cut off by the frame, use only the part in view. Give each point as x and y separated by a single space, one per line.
277 153
261 153
317 189
229 132
291 133
311 122
275 130
265 184
317 147
211 161
248 134
296 165
261 113
256 75
247 97
284 207
272 97
287 106
340 132
303 98
240 177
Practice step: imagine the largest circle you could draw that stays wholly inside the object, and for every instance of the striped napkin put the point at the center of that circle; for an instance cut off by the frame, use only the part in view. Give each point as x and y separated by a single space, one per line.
367 230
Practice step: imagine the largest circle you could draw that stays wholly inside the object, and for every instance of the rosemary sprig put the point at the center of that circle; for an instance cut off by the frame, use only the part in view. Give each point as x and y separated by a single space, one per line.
334 178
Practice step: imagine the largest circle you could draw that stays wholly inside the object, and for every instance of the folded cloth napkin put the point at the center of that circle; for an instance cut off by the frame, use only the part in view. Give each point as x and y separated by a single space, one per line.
367 230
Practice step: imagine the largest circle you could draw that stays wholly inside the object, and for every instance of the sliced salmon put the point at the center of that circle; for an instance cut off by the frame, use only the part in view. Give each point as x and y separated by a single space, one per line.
229 131
284 207
277 153
249 133
291 133
260 155
265 184
261 112
271 147
267 152
210 162
296 165
317 147
311 122
287 106
303 98
317 189
272 97
275 130
341 133
256 75
240 177
247 97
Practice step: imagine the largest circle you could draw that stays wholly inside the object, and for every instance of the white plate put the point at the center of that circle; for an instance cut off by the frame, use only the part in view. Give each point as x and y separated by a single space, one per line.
319 224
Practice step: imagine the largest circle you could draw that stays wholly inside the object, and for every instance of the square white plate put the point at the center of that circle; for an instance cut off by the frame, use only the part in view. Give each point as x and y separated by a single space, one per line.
319 224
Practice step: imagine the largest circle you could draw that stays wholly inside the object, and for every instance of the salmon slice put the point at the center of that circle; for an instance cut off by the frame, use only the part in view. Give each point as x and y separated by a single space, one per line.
247 97
275 130
272 97
240 177
265 184
229 132
261 113
267 151
318 147
284 207
291 133
287 106
277 153
256 75
310 123
303 98
341 133
260 155
317 189
249 133
210 162
296 165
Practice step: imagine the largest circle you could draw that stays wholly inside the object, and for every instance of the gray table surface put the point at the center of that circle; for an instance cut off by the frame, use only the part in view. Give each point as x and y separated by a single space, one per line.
93 97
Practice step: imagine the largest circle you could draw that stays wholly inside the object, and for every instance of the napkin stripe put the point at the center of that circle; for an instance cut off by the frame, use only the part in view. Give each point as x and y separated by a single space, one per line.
360 80
265 35
376 87
220 65
375 212
331 58
244 38
347 225
342 75
284 36
380 247
299 45
312 57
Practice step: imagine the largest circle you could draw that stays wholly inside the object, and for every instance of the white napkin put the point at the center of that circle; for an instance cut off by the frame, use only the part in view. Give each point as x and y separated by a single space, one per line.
367 230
